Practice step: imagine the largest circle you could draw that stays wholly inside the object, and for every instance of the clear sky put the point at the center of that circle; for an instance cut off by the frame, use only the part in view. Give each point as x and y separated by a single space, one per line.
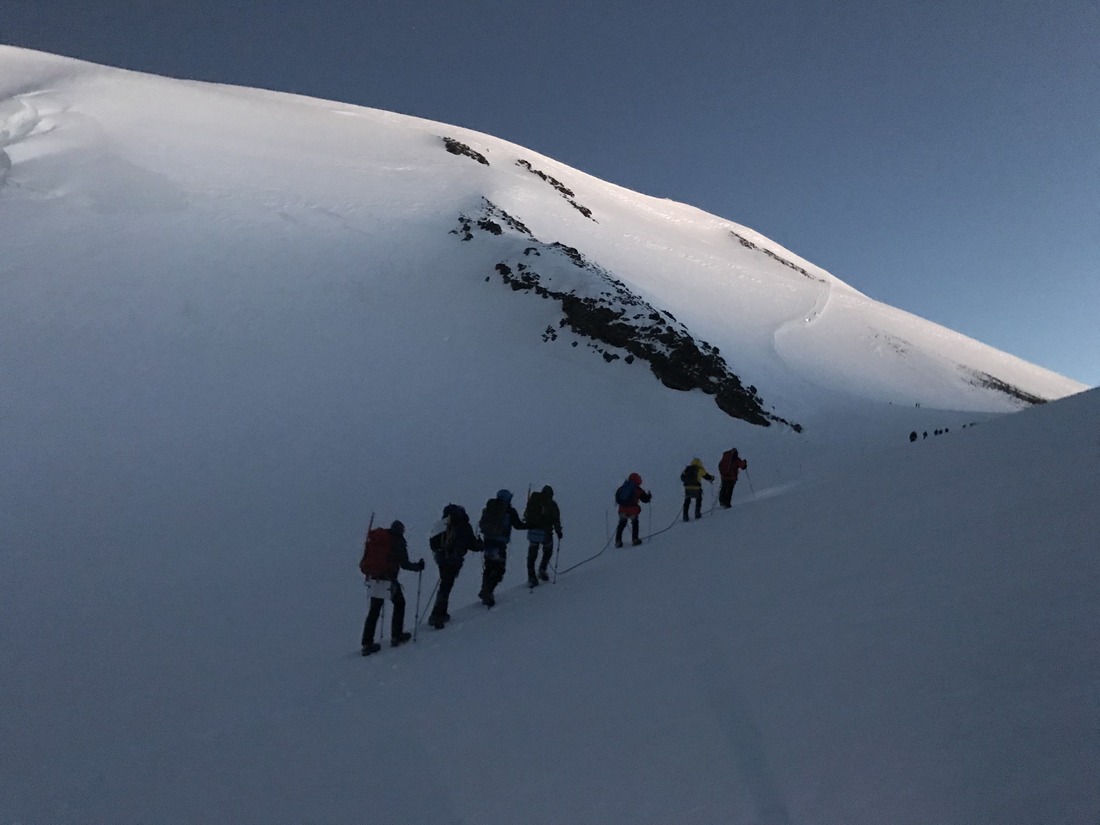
943 157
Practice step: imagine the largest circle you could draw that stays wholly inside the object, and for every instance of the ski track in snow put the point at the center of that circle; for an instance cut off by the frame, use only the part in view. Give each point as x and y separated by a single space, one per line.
803 321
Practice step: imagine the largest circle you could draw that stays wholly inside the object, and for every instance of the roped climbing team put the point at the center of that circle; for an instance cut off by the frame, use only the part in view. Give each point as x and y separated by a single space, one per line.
385 551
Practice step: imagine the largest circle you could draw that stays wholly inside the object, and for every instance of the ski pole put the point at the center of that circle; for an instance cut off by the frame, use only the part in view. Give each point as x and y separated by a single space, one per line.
366 578
431 595
416 614
381 622
557 556
749 479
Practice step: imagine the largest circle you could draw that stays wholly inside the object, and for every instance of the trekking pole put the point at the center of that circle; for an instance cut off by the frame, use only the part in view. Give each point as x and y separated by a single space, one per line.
382 622
416 614
366 536
750 484
556 557
431 595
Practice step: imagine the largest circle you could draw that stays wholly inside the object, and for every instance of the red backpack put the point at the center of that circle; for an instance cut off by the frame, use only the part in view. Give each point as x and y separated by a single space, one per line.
378 560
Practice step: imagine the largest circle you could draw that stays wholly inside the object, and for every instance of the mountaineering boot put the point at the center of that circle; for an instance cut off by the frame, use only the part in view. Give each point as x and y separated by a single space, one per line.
487 598
636 542
438 622
373 647
618 542
400 639
543 574
532 581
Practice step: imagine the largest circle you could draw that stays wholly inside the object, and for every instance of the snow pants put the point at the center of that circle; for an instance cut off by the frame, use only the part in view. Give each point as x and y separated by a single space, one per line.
533 554
697 497
448 573
622 526
397 622
496 561
725 492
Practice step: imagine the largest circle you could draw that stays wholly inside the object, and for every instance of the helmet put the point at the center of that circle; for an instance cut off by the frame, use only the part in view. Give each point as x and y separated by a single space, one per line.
548 491
398 527
504 495
637 479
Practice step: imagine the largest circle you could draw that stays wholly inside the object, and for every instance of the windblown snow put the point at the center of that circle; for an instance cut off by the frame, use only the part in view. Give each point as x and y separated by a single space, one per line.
236 323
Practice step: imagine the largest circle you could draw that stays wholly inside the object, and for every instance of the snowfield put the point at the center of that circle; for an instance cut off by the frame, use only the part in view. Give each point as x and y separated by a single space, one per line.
235 324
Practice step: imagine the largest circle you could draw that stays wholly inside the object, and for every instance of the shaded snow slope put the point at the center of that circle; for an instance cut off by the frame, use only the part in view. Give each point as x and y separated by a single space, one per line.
907 638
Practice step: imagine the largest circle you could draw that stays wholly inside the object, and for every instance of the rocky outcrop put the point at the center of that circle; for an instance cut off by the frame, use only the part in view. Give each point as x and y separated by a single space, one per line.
617 323
745 242
457 148
559 187
992 382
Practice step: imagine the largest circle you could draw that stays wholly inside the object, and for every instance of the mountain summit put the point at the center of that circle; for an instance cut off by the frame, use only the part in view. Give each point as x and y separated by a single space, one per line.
223 183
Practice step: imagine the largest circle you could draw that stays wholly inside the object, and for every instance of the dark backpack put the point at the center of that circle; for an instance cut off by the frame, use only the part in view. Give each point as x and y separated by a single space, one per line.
451 545
689 474
378 560
494 519
536 510
624 496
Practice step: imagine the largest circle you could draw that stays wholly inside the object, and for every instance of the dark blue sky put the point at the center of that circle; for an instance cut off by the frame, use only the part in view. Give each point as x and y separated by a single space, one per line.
943 157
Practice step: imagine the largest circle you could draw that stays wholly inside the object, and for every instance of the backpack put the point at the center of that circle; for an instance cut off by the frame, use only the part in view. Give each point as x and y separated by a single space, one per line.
536 509
452 542
624 496
689 474
378 560
494 519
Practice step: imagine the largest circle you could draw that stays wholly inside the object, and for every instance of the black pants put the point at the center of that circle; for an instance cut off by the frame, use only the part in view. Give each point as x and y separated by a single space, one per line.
533 554
697 496
622 526
448 572
725 493
496 561
397 623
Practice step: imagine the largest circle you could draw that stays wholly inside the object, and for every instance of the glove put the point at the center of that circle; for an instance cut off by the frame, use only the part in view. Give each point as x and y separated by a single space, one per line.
559 535
419 566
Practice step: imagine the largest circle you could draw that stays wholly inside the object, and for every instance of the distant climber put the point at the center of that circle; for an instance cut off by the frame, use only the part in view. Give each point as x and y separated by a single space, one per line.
543 522
498 519
728 467
629 497
692 478
384 554
452 537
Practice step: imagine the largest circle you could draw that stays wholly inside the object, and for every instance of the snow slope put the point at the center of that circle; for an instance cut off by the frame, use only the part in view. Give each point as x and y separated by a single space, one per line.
234 323
908 639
